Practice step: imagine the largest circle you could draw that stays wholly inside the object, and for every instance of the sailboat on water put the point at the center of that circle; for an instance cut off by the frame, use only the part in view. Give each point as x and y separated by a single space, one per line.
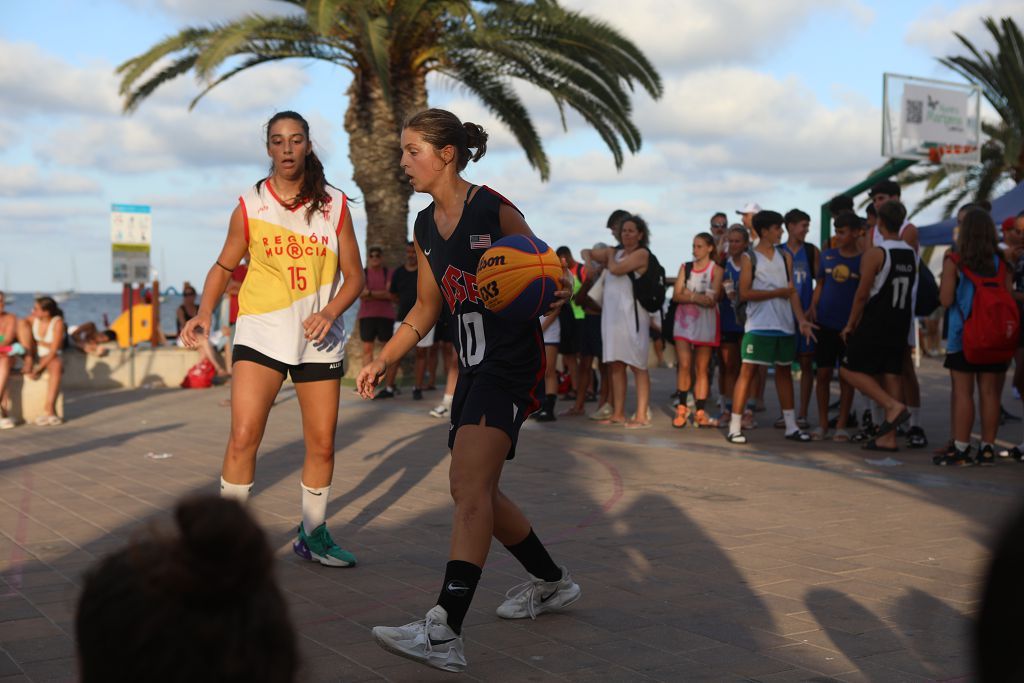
8 297
62 296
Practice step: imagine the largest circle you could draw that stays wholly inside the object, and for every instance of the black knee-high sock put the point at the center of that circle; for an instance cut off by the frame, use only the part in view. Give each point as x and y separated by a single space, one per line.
532 554
460 580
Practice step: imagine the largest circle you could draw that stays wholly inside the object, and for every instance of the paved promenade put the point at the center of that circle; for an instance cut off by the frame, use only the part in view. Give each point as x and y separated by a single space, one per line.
698 560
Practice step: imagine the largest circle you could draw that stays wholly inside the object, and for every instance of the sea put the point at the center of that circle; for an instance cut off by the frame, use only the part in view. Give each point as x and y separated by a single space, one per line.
104 308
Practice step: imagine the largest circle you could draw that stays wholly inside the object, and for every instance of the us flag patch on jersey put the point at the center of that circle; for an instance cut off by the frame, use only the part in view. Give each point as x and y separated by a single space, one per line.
479 241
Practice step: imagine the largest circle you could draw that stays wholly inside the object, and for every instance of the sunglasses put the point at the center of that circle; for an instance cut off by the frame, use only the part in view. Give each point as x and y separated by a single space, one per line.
718 225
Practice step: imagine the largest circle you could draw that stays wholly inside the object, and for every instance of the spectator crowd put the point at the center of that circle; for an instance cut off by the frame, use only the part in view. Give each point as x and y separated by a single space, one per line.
757 305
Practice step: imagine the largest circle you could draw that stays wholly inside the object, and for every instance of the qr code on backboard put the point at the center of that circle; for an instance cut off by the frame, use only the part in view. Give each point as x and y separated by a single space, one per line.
915 111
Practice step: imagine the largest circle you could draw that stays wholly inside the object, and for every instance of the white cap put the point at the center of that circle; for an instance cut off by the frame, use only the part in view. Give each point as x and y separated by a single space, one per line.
749 207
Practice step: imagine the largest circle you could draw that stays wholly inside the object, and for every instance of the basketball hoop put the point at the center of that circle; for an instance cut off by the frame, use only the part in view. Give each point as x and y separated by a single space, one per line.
954 155
955 159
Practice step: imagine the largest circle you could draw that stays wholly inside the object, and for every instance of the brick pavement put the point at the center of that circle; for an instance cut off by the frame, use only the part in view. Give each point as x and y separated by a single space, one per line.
698 560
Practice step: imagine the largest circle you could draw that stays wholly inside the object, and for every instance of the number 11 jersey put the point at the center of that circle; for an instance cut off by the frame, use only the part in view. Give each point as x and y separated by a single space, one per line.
888 313
486 343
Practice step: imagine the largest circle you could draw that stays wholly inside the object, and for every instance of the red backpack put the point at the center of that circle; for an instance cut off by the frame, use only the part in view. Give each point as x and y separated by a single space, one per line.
993 326
200 376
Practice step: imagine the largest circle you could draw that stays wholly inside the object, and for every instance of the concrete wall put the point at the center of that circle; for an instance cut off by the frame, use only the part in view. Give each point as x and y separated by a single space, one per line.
164 366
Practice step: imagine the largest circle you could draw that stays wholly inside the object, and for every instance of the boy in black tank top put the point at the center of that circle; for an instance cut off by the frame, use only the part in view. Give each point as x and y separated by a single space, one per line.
500 367
880 320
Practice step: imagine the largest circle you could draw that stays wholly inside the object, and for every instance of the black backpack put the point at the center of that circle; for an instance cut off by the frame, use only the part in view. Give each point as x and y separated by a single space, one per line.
649 288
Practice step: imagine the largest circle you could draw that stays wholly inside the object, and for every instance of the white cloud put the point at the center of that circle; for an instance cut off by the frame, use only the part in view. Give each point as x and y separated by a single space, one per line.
27 181
685 33
225 129
751 120
33 81
934 29
196 11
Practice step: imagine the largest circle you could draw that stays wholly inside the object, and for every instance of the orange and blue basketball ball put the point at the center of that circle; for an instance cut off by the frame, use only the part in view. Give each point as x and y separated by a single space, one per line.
517 277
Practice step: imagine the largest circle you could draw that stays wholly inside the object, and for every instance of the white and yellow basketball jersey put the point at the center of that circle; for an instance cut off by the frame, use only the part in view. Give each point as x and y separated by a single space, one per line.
293 273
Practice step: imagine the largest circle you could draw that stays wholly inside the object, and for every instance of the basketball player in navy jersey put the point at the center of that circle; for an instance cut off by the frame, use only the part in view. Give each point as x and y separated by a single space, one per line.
876 333
881 193
501 368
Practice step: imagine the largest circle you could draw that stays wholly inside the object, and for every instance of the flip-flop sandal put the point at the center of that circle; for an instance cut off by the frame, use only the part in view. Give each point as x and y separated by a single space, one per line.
872 446
737 438
799 435
637 425
609 421
571 412
887 426
841 435
780 423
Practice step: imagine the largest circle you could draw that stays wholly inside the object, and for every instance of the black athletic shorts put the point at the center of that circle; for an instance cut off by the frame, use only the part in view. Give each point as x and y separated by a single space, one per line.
829 349
668 324
572 335
303 372
481 397
379 329
590 344
957 361
863 356
730 337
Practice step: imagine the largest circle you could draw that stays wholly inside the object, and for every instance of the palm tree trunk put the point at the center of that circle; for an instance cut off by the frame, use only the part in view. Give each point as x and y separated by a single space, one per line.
374 128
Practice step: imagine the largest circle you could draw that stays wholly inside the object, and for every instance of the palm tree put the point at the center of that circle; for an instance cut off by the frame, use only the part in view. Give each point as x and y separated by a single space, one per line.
1000 77
390 47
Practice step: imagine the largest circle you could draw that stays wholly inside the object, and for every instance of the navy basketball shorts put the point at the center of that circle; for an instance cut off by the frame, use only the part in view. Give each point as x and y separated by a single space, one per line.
481 398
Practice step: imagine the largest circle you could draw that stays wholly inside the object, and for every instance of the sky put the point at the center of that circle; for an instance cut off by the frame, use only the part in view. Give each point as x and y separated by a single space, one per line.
777 103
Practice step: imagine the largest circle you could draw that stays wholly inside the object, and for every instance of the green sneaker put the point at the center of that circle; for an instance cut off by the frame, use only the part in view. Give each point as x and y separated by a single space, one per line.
320 547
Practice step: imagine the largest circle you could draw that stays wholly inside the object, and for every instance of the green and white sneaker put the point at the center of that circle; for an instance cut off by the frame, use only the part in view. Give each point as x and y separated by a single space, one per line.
320 547
536 596
428 641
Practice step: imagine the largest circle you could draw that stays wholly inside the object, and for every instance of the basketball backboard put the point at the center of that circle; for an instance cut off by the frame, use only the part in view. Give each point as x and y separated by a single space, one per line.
928 120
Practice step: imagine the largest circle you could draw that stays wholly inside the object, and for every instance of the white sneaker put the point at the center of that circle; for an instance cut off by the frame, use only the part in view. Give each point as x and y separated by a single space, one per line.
6 423
535 596
428 641
439 411
602 413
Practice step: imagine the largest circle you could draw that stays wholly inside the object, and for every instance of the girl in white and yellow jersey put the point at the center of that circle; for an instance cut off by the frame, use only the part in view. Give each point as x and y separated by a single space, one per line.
304 272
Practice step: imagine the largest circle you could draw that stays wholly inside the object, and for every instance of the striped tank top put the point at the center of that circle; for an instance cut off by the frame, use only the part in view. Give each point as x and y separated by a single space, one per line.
293 273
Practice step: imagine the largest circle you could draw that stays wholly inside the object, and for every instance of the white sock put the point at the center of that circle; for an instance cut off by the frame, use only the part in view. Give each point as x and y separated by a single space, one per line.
962 445
314 507
790 417
735 423
914 412
239 492
447 400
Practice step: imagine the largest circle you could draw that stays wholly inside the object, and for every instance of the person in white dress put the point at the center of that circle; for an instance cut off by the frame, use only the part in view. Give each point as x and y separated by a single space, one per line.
624 323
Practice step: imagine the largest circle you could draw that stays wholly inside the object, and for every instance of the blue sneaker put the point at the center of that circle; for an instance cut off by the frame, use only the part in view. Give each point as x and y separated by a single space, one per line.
320 547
